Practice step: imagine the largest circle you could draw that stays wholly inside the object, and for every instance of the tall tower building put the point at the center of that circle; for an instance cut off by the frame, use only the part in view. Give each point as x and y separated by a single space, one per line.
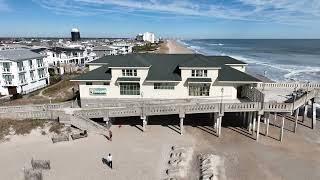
75 34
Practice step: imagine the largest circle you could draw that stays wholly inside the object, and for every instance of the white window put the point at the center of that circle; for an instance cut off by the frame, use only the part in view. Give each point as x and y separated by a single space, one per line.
20 66
22 78
32 75
163 86
199 73
8 79
40 62
41 73
6 66
30 64
129 72
199 90
129 89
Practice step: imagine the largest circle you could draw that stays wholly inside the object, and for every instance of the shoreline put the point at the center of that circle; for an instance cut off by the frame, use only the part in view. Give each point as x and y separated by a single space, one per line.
173 47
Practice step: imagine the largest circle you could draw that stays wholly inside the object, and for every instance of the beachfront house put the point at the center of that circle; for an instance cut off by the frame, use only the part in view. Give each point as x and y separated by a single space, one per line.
22 71
164 76
69 55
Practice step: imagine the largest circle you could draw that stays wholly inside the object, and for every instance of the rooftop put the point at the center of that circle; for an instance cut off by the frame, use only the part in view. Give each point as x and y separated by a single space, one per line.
19 54
167 67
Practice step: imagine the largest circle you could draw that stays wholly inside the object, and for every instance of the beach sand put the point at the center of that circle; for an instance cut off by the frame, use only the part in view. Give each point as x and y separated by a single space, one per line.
144 155
173 47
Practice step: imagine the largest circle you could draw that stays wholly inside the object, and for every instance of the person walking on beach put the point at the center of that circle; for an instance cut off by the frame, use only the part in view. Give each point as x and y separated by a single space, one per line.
109 160
110 135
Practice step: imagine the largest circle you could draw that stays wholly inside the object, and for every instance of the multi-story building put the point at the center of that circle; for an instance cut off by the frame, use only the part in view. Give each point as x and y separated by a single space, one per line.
164 76
22 71
102 51
139 37
13 46
66 55
149 37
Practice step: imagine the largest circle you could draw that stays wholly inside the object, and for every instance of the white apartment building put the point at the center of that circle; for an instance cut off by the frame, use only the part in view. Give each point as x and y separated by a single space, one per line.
68 55
149 37
164 76
22 71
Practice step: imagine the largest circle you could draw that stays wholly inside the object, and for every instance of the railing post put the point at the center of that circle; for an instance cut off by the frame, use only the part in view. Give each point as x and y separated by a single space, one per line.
258 127
144 123
250 122
314 115
296 120
254 122
181 125
305 113
182 111
219 125
268 122
282 127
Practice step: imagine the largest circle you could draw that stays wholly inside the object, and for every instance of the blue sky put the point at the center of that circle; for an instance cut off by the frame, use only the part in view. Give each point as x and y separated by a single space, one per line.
167 18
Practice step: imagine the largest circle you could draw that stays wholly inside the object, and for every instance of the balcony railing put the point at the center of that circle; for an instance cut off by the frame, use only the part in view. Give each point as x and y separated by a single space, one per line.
8 83
23 82
7 70
21 69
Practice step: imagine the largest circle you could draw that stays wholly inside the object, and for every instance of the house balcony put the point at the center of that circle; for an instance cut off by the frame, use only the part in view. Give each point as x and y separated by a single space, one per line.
8 83
23 82
32 67
40 65
21 69
6 70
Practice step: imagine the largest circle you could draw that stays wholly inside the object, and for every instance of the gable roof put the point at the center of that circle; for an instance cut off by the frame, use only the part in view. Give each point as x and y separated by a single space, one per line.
19 55
229 74
102 73
133 60
167 67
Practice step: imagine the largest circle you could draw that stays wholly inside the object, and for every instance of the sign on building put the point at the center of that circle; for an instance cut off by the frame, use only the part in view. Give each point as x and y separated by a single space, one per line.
98 91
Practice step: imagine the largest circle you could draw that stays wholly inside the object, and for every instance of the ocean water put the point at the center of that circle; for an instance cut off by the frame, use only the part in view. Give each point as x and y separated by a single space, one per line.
279 60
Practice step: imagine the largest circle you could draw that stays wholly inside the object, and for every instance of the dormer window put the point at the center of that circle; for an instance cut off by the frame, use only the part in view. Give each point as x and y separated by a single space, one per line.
199 73
129 72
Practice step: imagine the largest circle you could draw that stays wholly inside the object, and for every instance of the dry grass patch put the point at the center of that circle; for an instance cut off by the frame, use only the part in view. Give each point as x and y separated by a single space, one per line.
56 128
23 127
61 87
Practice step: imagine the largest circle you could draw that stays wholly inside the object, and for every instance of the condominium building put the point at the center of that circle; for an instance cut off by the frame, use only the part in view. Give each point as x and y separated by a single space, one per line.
22 71
67 55
164 76
149 37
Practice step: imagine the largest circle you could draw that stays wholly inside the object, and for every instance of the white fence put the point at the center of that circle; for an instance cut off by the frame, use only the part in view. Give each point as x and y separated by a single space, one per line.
288 85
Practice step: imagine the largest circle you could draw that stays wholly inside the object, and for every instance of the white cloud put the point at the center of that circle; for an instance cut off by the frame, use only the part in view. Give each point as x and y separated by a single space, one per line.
282 11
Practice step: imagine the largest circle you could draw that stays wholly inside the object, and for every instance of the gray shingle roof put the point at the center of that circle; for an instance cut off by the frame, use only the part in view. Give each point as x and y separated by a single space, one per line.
128 79
133 60
232 75
65 49
199 80
166 67
19 55
100 74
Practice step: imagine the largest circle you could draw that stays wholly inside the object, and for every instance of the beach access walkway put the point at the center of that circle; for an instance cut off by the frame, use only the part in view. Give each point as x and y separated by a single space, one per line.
251 111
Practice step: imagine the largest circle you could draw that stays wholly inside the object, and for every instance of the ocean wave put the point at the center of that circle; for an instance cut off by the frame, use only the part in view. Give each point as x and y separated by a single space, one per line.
214 44
281 72
195 47
182 42
258 64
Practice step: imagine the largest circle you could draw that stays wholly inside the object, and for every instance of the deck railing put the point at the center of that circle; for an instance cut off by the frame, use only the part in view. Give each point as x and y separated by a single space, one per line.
242 107
42 107
48 111
278 107
288 86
